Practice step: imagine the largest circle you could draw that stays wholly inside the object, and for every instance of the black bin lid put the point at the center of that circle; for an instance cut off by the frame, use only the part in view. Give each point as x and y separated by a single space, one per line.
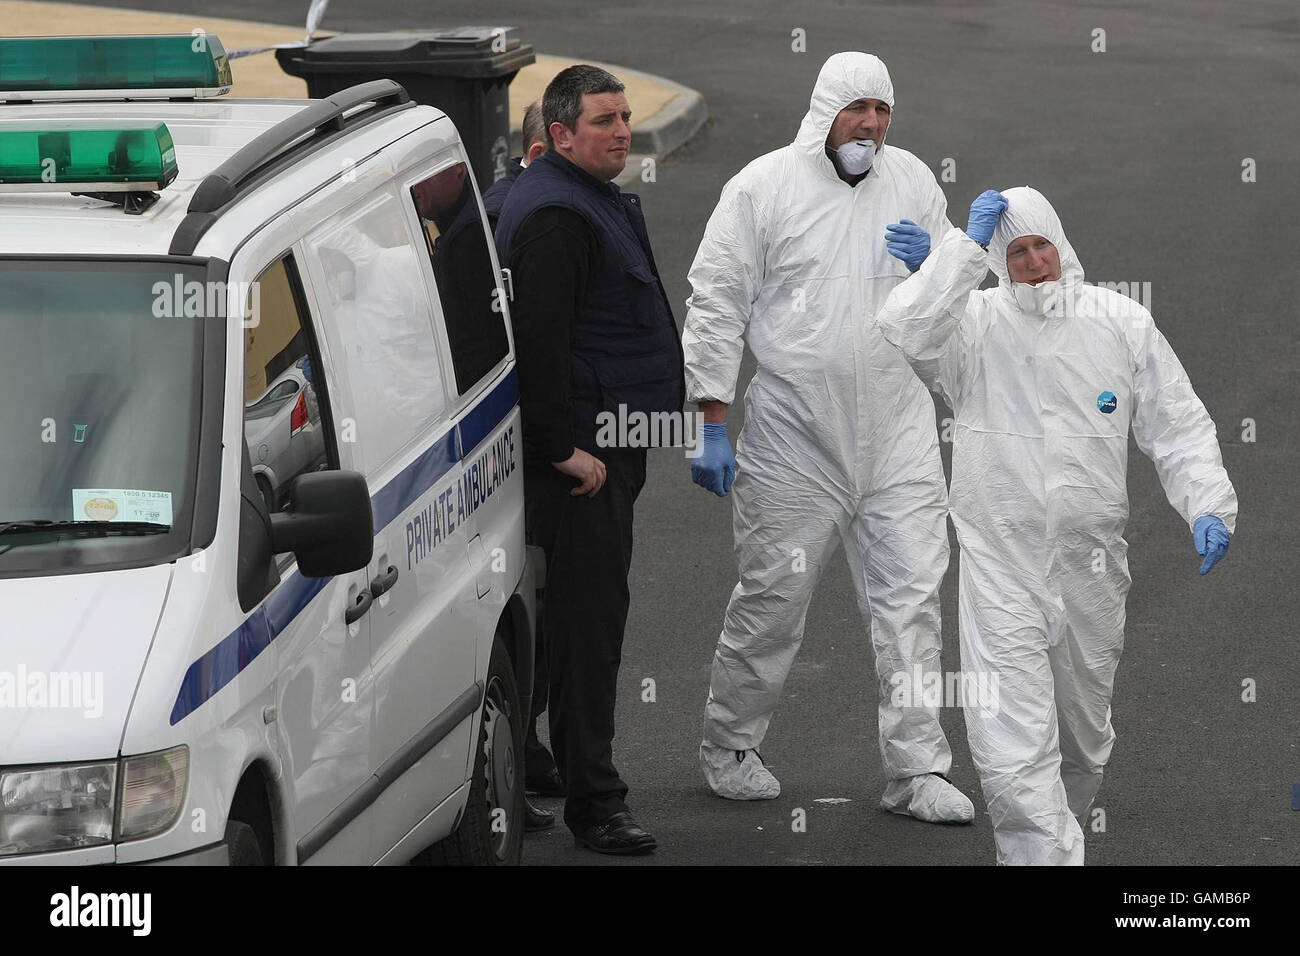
474 52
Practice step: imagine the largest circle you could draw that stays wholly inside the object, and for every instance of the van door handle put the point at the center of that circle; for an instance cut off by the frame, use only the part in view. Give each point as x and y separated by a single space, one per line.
383 582
358 610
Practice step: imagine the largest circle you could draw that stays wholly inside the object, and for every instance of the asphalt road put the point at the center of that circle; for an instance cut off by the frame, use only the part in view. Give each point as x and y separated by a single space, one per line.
1141 150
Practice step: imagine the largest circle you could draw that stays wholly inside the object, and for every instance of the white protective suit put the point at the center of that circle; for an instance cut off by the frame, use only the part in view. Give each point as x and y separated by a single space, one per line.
839 437
1043 407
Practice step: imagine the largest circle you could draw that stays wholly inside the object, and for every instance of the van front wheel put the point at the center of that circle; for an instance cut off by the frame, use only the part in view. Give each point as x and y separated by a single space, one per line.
491 828
241 842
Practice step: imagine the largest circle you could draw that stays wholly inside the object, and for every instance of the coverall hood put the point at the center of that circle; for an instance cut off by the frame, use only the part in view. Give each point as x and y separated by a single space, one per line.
845 77
1028 213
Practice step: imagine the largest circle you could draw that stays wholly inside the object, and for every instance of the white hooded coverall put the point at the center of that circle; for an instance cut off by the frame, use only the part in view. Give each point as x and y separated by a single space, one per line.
1043 405
839 437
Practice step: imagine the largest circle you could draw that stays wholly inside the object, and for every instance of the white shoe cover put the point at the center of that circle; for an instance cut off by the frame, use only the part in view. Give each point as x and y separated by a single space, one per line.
928 797
737 774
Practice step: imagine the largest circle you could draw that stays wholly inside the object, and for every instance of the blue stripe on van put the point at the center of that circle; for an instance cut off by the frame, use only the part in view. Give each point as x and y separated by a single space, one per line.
219 666
222 664
415 479
284 603
484 417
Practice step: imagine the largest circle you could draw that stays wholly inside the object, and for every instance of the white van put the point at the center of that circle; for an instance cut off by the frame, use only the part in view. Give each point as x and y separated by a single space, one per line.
264 595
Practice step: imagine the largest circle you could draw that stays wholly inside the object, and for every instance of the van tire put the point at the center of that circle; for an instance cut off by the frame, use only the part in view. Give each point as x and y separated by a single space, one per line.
242 844
497 783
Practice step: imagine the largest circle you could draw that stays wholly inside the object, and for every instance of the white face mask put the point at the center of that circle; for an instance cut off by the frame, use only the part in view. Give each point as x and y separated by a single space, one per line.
1052 299
855 156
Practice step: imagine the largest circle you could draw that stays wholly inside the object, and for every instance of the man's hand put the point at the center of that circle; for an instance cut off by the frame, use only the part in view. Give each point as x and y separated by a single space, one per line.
588 469
907 241
1212 539
984 214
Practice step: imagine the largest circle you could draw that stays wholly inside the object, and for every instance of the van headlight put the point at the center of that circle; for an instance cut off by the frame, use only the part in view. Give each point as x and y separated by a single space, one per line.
71 806
153 792
56 808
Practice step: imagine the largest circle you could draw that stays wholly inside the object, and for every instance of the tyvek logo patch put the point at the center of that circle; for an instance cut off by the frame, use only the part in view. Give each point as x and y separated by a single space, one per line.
1106 402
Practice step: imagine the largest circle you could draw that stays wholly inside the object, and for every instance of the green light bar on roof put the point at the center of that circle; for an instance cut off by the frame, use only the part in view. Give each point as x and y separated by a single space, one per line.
86 156
114 67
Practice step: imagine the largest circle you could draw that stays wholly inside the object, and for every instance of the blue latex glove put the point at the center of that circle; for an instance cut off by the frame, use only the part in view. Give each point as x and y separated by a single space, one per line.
909 242
715 467
1212 539
984 214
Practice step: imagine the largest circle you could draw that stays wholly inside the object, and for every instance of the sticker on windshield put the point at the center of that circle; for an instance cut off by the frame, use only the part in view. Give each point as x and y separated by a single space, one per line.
121 504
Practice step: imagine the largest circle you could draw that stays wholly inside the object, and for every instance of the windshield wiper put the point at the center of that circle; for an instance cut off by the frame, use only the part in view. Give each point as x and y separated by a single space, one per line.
83 528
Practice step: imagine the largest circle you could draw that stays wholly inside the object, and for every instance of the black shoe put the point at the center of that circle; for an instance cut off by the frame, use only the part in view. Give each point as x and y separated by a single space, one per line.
546 784
617 834
535 818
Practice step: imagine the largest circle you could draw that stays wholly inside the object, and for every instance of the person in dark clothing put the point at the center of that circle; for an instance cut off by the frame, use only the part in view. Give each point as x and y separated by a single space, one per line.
540 774
534 138
593 333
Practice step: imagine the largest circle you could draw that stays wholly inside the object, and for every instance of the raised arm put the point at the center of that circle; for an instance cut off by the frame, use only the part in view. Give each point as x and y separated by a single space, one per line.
923 312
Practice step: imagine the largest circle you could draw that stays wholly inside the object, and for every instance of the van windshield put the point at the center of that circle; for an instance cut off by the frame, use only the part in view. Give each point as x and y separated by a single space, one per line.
100 375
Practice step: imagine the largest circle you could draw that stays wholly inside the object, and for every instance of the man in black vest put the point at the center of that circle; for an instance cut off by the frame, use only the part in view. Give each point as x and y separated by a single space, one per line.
593 333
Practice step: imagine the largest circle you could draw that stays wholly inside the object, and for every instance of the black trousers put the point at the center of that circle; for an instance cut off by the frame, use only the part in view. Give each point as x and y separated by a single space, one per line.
588 545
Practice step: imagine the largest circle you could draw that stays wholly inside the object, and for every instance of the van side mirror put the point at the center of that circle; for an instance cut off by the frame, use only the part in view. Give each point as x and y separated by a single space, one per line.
331 527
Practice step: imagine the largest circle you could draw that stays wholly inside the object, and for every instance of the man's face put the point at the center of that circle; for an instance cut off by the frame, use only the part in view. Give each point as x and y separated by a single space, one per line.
862 119
1033 259
600 143
439 193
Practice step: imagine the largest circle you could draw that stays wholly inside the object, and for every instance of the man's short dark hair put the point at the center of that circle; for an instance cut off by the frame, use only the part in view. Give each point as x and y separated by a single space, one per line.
562 101
533 131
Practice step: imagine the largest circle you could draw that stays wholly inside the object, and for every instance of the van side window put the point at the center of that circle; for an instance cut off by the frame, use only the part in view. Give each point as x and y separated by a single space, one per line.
385 323
283 398
462 268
